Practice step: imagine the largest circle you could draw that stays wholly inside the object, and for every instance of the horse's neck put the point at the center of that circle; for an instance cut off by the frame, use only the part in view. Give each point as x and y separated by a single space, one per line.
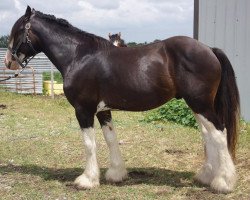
59 45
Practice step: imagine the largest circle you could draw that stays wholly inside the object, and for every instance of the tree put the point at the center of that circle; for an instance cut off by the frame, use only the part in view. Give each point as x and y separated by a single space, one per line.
156 40
4 41
132 44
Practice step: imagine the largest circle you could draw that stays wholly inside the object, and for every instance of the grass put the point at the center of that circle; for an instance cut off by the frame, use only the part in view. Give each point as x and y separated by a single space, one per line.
42 153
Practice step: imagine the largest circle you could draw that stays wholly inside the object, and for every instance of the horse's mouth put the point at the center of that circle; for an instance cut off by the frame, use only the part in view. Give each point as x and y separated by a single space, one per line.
8 64
11 65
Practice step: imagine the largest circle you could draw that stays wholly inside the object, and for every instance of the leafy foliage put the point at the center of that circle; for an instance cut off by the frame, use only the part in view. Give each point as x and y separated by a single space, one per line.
57 77
4 41
176 111
134 44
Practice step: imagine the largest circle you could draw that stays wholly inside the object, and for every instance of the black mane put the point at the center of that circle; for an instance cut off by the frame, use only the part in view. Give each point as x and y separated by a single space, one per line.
52 18
66 24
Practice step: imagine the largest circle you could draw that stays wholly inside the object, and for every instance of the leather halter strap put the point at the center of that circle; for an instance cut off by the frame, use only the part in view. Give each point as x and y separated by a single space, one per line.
24 40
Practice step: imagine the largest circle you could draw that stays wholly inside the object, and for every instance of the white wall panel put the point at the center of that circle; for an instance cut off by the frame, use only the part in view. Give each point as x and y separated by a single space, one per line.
226 24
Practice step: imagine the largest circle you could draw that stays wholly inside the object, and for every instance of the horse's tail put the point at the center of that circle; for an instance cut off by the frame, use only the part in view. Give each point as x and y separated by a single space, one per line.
227 100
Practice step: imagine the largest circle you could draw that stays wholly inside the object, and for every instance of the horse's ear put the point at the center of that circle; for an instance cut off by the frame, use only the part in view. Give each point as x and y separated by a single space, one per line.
27 13
119 34
109 35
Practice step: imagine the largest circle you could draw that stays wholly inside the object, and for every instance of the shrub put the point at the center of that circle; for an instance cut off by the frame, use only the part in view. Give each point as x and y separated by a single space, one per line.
57 77
176 111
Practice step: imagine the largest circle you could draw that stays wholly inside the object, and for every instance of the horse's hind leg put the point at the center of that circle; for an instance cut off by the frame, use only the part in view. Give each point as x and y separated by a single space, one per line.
204 175
117 171
218 170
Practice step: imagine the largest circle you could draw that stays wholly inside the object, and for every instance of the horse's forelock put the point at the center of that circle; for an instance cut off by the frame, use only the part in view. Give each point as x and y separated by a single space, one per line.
16 27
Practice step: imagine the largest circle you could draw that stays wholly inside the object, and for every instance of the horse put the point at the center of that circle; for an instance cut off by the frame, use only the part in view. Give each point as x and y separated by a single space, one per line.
117 40
99 77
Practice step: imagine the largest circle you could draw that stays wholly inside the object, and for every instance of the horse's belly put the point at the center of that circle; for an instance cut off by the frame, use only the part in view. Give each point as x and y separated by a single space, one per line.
139 102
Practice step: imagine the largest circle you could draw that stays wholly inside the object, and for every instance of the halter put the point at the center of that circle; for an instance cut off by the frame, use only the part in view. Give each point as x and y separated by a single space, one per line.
26 40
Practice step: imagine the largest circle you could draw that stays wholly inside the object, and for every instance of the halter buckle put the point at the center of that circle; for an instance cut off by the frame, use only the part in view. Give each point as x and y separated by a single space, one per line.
27 26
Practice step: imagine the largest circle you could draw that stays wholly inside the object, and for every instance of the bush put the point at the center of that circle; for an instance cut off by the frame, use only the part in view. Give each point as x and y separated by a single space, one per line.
57 77
176 111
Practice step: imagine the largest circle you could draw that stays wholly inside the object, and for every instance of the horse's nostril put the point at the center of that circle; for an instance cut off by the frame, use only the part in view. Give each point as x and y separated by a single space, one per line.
5 62
8 65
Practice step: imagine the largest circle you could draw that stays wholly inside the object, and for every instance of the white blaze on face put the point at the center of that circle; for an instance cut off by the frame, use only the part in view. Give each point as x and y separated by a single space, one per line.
9 62
116 43
8 56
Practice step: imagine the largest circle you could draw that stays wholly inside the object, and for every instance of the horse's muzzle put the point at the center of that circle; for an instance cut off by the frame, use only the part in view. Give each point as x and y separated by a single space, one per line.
7 63
12 65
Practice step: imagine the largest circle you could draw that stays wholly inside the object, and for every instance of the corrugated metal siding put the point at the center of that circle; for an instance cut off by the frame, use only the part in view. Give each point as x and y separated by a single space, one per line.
226 24
25 83
40 62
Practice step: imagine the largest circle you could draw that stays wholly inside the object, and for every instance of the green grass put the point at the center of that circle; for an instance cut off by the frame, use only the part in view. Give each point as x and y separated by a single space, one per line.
41 153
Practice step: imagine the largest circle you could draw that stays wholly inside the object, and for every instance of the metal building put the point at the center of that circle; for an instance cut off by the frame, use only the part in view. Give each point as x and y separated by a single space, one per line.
29 81
226 24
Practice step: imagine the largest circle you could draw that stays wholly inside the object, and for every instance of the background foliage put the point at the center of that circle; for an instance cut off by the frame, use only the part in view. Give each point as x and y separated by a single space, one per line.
57 77
4 41
176 111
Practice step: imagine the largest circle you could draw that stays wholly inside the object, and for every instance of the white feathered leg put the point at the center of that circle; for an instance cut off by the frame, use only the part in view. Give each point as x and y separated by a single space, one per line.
117 171
219 169
90 177
204 175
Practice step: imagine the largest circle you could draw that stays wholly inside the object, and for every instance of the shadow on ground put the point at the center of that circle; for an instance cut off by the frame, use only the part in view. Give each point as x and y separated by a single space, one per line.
150 176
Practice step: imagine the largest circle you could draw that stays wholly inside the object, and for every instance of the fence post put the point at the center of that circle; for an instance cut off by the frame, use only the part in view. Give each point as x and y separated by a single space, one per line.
52 82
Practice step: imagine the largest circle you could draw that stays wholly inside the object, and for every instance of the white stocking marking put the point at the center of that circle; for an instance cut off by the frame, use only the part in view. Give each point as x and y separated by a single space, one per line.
90 177
219 170
204 175
117 171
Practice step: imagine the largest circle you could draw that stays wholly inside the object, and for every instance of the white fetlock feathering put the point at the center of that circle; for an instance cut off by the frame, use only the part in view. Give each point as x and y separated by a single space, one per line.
90 177
218 170
117 171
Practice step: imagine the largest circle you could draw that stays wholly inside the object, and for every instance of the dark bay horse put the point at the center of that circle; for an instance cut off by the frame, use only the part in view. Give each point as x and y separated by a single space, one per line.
116 40
99 77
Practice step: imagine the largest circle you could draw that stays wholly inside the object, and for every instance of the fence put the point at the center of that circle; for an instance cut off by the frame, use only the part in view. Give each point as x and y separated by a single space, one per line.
28 82
31 79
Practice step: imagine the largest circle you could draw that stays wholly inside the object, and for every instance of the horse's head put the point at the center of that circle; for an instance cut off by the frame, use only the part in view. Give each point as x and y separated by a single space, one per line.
22 42
115 39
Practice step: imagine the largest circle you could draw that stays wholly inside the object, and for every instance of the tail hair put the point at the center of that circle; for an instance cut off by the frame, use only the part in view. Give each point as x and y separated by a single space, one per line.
227 101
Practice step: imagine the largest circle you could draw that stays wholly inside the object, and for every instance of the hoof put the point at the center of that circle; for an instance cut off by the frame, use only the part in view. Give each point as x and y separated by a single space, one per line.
204 175
83 182
221 185
116 175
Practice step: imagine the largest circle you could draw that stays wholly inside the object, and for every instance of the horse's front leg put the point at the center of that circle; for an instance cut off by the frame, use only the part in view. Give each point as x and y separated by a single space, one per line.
90 177
117 171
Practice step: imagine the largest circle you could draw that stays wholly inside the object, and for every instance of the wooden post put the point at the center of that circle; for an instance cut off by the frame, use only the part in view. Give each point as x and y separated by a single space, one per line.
52 82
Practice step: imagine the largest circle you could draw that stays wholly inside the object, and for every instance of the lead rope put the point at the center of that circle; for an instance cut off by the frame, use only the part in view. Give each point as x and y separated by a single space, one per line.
17 74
